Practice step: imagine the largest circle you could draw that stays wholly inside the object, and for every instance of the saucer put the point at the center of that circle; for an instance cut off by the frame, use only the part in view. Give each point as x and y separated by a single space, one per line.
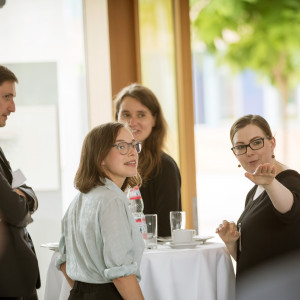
183 245
202 238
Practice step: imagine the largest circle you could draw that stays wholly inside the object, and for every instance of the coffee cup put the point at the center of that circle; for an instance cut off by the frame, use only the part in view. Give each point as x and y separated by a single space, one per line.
183 235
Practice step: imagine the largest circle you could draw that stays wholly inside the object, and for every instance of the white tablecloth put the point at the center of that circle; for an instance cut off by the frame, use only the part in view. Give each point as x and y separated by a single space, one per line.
205 273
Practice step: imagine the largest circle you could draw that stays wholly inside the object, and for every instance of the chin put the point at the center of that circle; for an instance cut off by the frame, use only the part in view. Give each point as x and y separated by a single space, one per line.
136 136
131 174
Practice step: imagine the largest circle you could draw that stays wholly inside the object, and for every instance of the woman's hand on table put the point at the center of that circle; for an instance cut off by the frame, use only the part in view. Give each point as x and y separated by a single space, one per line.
229 234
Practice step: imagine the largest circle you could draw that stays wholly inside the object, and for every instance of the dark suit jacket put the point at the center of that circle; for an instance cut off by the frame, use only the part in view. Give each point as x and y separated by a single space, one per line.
19 272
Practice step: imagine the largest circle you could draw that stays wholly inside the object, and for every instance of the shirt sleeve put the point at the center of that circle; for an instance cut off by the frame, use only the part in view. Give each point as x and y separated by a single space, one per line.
291 180
62 252
31 197
118 246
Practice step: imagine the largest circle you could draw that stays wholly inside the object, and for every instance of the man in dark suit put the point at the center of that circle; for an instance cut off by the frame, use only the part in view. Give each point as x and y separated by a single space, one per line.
19 272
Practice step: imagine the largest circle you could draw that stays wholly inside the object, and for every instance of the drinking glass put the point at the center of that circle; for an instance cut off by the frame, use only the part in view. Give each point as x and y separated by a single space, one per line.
151 222
177 220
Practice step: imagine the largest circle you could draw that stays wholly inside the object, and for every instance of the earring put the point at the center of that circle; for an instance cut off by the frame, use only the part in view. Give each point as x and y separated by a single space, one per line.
273 156
239 165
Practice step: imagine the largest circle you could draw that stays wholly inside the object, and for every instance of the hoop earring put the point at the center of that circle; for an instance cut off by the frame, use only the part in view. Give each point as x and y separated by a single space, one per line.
239 166
273 156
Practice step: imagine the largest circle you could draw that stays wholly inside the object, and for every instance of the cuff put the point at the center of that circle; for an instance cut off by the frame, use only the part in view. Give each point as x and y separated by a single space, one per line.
122 271
60 260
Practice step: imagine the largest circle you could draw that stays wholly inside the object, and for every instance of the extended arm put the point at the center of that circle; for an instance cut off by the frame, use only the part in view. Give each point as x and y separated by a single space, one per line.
129 287
281 197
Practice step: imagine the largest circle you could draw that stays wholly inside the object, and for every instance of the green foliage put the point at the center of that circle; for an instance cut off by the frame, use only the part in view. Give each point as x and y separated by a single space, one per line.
268 34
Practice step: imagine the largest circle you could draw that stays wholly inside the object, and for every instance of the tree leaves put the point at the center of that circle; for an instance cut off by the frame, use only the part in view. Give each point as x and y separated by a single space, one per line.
268 32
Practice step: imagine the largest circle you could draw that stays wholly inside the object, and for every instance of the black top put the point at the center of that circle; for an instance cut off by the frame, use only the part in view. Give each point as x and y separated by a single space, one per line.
161 194
19 272
267 234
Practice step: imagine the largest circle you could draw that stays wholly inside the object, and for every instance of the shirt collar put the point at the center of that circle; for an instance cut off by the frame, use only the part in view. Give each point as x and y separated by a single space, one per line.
113 187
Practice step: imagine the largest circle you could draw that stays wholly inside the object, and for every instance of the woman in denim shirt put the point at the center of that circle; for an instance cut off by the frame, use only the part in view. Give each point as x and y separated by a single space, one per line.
101 247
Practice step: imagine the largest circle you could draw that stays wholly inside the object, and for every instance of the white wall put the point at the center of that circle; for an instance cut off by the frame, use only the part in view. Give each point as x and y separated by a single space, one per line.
49 31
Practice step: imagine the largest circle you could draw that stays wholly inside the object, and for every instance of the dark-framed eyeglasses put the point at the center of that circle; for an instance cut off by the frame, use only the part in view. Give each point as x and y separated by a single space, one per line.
254 145
123 147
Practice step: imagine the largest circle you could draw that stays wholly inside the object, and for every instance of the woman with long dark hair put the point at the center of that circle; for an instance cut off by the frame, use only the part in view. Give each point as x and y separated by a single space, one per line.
137 106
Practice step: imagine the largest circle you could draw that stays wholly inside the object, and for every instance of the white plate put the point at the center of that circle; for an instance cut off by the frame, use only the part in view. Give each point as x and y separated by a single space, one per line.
197 238
182 245
202 238
51 246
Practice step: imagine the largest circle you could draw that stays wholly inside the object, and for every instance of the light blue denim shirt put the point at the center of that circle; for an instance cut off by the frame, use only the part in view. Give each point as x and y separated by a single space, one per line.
100 240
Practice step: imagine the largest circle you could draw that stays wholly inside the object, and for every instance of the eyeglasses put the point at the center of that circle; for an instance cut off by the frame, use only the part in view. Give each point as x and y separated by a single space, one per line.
124 147
254 145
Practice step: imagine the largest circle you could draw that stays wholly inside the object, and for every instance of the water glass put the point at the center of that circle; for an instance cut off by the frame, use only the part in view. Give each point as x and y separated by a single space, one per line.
151 222
177 220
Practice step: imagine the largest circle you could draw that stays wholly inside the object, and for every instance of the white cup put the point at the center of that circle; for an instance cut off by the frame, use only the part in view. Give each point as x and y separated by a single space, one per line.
183 235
